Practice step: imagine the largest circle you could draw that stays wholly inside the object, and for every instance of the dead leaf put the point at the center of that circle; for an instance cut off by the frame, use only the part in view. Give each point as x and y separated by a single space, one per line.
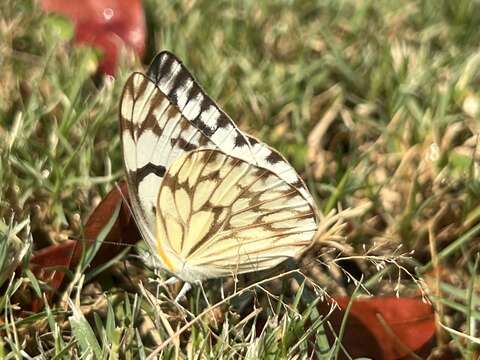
385 327
50 264
107 24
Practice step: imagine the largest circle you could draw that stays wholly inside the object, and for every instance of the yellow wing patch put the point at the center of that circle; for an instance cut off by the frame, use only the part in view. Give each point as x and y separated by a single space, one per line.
219 214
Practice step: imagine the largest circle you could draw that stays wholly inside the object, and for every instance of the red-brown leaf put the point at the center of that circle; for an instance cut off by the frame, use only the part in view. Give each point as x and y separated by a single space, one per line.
124 231
48 263
386 327
107 24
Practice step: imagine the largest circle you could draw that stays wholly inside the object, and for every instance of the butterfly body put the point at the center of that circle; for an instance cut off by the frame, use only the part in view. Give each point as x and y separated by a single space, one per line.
210 200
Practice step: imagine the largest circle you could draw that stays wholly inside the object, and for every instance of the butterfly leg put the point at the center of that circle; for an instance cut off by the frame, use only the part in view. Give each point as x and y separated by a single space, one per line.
183 291
171 280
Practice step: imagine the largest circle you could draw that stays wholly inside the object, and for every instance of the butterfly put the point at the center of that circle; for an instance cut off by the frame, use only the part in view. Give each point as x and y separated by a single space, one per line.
209 200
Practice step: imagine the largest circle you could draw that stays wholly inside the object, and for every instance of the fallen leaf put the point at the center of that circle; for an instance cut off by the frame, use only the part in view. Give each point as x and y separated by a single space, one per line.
385 327
50 264
107 24
124 231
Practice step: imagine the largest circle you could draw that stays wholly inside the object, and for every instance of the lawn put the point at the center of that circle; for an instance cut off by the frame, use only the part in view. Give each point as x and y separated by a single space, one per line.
375 104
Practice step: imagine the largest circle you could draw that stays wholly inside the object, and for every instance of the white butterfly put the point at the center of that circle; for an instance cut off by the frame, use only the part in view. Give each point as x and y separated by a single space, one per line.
209 200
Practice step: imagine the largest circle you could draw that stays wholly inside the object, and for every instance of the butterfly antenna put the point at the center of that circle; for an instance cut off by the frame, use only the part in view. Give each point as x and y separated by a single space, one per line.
126 202
103 242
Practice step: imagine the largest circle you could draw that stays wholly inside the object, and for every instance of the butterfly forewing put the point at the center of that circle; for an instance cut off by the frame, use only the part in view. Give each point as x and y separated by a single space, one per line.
174 80
220 215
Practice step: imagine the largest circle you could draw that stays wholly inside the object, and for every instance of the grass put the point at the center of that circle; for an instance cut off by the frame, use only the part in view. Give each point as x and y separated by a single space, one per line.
375 103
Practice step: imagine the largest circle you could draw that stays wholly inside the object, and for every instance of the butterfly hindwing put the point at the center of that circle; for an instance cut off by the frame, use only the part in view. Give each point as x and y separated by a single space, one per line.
220 215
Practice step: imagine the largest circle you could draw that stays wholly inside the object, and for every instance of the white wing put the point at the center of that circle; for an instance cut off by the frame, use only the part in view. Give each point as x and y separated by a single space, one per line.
165 114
